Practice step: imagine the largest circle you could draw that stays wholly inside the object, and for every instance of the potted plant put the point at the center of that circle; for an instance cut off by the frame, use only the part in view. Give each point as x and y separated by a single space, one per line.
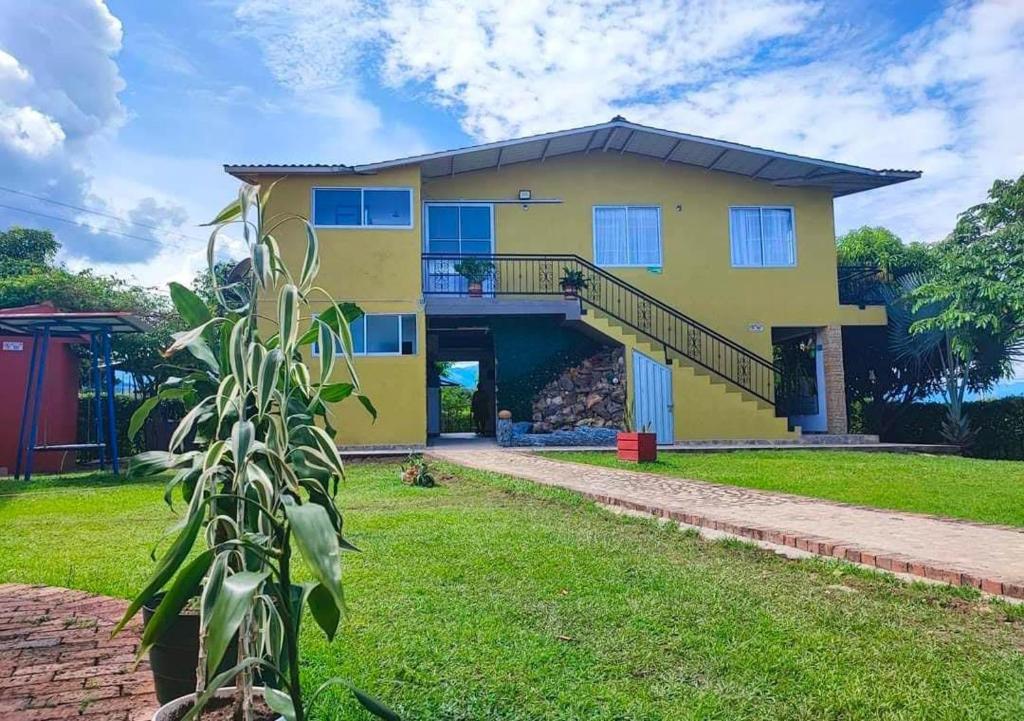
475 271
572 282
259 483
636 446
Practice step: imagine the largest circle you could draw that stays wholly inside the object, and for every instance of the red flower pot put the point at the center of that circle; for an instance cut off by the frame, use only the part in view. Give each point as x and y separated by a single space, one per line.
476 290
637 447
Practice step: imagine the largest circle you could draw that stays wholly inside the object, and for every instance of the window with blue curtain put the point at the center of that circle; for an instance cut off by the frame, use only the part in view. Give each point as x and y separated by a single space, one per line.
362 207
627 235
762 237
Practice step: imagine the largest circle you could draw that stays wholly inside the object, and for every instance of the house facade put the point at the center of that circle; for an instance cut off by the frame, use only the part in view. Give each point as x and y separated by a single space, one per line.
707 271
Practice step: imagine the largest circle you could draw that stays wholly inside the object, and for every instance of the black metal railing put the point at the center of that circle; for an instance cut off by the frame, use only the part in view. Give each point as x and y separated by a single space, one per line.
541 275
861 285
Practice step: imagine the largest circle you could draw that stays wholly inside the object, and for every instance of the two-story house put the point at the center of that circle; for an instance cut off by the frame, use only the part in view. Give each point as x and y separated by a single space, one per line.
707 267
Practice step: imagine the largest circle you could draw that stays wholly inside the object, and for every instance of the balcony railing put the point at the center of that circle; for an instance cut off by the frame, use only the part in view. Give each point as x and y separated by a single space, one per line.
541 275
861 285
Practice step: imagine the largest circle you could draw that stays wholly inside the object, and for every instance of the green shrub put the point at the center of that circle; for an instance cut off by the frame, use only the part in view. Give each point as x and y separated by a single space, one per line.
999 425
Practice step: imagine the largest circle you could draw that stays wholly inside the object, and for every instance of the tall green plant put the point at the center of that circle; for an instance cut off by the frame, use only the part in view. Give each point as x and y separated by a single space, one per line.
256 462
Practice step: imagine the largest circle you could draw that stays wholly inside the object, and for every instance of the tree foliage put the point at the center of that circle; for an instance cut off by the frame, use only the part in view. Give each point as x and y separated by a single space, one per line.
31 276
26 250
880 247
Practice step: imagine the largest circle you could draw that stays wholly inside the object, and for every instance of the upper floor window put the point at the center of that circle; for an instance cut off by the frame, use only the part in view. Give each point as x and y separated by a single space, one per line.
362 207
627 235
381 334
762 237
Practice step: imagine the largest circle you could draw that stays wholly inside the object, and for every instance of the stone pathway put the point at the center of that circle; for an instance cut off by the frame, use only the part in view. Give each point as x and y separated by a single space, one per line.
959 552
58 662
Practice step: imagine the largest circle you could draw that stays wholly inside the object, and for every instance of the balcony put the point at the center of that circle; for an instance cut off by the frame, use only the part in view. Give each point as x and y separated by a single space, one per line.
861 285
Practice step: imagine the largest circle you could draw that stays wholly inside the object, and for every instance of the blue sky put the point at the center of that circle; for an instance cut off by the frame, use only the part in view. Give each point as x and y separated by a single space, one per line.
129 108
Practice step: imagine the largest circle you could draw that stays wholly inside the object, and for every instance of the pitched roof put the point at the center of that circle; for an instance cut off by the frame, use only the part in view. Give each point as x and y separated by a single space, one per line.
621 136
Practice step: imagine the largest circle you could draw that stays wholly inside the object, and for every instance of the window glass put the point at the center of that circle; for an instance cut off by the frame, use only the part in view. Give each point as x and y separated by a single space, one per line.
408 335
777 236
745 231
387 207
762 237
336 206
476 247
382 334
443 222
358 328
627 235
476 222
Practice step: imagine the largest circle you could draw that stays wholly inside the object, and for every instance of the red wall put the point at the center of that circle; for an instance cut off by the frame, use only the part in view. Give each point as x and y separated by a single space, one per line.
58 412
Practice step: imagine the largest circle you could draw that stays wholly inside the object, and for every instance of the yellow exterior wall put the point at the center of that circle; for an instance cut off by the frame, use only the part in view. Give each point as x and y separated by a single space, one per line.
380 271
697 277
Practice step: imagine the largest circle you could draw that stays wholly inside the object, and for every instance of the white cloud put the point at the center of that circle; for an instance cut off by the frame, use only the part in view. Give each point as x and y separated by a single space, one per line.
59 99
794 75
26 130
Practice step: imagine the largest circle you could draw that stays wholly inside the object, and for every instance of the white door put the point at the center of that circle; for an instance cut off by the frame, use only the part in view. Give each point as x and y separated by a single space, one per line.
455 230
652 397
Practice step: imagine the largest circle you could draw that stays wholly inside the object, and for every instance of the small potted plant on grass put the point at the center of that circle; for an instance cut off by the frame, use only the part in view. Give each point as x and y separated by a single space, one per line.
636 446
259 484
572 282
475 271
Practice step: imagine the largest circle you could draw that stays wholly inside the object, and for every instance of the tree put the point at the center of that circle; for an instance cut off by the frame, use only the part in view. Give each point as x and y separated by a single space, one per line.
881 248
34 279
24 250
971 306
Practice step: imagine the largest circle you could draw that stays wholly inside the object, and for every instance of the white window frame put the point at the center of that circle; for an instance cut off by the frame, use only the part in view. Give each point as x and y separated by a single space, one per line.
316 349
458 204
593 234
760 208
362 206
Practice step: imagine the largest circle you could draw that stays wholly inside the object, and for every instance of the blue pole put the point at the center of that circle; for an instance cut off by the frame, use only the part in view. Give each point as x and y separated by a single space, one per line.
23 430
111 424
35 403
97 400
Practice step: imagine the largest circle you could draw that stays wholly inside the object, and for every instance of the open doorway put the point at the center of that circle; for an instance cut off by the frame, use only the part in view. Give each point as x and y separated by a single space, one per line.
799 396
459 387
460 380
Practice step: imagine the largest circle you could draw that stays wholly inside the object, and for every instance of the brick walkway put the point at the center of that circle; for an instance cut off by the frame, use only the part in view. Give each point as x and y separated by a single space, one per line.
58 662
957 552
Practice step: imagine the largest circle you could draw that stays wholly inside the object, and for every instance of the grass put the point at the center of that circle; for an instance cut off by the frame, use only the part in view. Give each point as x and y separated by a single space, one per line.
489 598
971 488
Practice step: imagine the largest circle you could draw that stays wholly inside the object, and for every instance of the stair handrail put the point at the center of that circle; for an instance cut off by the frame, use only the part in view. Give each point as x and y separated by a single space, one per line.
571 258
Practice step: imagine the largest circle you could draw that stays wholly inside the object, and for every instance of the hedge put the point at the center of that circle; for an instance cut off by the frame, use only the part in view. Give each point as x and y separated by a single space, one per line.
999 427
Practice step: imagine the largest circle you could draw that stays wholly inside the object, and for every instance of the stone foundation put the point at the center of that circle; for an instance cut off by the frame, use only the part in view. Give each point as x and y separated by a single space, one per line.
591 394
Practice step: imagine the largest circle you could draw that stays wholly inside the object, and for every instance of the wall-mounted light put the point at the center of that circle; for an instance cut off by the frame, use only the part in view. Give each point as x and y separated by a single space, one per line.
525 194
679 208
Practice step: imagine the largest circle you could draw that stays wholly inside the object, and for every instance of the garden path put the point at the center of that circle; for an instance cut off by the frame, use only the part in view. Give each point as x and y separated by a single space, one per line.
58 661
952 551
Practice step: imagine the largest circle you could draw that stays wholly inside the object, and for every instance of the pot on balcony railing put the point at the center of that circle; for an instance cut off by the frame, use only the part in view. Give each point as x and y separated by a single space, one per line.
572 282
475 271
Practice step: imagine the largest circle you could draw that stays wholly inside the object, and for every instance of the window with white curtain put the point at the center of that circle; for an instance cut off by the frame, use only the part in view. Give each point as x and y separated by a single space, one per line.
627 235
762 237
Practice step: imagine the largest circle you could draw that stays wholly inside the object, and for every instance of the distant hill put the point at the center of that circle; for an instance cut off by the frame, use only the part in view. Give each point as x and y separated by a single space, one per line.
1002 390
465 374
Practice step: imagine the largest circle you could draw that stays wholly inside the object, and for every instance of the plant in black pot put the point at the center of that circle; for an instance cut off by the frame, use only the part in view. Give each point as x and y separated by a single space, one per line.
475 271
259 485
572 282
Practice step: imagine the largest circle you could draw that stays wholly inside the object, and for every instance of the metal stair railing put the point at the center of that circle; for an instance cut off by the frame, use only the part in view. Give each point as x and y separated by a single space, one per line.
541 274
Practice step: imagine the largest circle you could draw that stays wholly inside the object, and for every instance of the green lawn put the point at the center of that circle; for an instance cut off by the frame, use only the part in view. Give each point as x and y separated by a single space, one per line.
489 598
989 491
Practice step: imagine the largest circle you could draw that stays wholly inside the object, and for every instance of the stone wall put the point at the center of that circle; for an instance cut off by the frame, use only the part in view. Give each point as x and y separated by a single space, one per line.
592 393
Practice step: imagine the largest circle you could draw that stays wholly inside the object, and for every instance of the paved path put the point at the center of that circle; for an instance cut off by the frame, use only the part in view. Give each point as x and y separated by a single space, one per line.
958 552
58 662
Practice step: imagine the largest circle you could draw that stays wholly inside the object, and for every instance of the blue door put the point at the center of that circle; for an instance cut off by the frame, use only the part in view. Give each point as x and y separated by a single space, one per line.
652 397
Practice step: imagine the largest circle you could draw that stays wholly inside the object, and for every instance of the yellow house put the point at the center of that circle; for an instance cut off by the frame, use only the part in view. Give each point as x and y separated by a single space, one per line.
594 273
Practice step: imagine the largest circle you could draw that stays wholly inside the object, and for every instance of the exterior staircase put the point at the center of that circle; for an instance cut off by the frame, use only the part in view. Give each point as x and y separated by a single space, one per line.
732 386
